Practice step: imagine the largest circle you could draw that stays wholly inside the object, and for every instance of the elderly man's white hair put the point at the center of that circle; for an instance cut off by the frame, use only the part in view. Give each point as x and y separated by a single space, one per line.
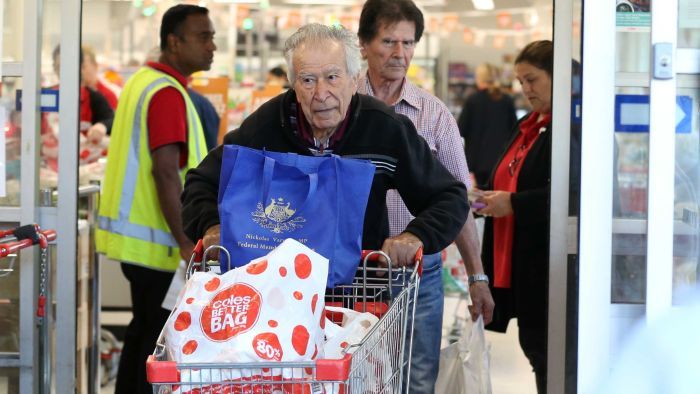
317 33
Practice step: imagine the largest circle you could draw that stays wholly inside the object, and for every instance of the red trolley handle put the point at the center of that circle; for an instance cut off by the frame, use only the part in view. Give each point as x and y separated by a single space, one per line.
21 232
9 248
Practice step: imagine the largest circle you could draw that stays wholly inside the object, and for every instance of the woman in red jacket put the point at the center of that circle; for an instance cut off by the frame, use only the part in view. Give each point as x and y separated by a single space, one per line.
516 237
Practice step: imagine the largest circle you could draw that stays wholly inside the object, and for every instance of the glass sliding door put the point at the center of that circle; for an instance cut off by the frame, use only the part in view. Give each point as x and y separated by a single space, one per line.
640 249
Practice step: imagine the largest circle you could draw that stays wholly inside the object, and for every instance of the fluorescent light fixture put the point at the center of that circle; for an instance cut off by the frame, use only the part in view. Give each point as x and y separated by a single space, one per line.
237 1
322 2
483 5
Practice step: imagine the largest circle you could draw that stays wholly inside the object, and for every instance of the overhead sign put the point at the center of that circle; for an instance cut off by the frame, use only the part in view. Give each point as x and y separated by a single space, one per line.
632 113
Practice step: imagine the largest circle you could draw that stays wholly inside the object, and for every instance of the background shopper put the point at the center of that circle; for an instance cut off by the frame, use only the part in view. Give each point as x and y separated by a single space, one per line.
139 215
516 236
389 31
486 123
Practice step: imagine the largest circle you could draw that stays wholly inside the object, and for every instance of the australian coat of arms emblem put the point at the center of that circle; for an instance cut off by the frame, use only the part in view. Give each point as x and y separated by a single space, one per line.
277 216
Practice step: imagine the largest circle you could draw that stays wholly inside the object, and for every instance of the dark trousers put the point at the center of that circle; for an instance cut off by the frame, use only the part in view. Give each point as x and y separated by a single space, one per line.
533 341
148 289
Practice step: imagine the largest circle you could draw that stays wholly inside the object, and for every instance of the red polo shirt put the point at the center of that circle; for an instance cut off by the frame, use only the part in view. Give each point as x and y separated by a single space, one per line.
167 115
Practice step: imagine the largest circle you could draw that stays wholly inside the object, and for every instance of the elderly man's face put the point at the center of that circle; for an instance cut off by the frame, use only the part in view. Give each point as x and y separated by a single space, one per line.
390 52
323 86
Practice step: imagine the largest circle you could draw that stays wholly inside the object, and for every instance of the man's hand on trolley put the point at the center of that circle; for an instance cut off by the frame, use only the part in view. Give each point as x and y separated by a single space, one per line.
401 249
212 237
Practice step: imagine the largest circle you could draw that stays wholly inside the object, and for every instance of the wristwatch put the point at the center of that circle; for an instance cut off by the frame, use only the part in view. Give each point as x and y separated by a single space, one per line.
478 278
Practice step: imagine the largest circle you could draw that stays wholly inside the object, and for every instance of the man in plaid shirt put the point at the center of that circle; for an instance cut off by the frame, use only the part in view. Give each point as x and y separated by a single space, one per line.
388 32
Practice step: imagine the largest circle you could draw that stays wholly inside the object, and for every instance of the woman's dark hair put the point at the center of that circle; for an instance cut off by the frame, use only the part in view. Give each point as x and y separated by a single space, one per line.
174 18
539 54
388 12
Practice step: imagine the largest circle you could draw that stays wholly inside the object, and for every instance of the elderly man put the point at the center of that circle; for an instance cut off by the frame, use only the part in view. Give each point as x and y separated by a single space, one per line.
388 32
323 114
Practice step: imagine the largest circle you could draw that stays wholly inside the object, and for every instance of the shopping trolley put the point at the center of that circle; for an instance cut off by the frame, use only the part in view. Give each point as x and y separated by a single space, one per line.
380 363
11 242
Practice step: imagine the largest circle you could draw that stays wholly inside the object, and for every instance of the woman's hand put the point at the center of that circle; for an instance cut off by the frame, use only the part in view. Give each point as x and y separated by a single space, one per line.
497 203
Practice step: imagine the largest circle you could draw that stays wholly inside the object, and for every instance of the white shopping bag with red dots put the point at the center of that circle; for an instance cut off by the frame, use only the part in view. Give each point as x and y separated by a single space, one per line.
268 310
353 329
374 372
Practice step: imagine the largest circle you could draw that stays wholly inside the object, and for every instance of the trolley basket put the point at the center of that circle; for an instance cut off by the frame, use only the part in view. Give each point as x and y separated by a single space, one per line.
380 363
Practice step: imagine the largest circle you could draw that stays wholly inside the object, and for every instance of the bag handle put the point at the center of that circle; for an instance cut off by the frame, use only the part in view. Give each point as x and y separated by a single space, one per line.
268 172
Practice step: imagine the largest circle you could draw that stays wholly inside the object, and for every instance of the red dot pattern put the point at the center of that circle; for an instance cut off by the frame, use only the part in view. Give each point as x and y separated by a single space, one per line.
183 321
212 284
302 266
190 300
272 323
300 339
314 300
298 295
283 272
189 347
257 268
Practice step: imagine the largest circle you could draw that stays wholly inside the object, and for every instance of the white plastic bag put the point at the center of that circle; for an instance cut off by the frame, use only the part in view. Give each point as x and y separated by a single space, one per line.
354 328
175 288
464 365
268 310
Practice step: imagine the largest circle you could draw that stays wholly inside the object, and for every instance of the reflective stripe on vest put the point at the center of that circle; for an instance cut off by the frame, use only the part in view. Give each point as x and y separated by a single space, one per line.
121 225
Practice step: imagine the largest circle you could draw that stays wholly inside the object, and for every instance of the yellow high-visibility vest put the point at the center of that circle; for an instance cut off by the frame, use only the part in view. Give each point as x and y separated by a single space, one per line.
132 227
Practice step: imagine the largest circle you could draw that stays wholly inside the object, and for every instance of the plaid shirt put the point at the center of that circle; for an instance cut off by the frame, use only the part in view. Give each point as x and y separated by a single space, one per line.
438 127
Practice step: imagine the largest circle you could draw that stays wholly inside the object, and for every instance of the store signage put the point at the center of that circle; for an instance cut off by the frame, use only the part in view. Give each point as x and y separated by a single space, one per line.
576 111
632 113
48 100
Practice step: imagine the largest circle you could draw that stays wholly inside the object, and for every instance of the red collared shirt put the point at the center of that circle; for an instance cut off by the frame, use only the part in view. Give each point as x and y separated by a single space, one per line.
307 135
506 179
167 115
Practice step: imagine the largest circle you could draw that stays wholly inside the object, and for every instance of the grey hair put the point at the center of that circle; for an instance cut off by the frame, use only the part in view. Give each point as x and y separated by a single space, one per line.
316 33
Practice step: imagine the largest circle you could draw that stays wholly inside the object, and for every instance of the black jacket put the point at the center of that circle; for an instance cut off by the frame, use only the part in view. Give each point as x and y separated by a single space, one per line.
374 132
486 126
527 299
101 111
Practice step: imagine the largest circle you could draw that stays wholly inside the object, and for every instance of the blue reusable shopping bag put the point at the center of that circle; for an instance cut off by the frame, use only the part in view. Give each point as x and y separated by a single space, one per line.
266 197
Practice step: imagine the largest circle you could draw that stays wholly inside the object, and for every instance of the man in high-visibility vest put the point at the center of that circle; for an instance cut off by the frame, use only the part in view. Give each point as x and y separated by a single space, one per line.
156 137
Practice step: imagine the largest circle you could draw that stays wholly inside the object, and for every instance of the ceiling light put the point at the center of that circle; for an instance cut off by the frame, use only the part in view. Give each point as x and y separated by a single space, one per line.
322 2
237 1
483 4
